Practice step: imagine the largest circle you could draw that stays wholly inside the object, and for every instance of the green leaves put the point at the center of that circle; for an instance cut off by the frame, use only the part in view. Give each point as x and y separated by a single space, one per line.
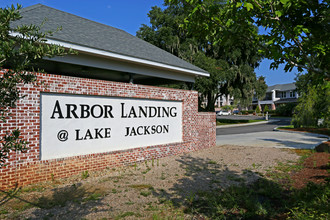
239 4
200 36
297 34
278 13
284 2
19 53
11 141
248 6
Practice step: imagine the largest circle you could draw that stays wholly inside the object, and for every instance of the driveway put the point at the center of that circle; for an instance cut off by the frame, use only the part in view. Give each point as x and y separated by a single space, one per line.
264 136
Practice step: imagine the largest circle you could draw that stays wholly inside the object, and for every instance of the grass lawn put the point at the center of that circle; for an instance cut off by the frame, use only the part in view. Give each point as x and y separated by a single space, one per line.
230 122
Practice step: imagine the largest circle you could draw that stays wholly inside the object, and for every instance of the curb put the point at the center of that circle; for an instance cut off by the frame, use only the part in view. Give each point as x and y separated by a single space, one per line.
246 124
312 134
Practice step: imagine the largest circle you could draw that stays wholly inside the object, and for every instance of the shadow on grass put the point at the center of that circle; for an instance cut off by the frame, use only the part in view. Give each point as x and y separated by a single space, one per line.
82 201
216 192
11 194
75 199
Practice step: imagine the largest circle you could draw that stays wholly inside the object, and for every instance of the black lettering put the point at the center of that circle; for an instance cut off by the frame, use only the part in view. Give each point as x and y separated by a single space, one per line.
132 132
146 130
127 131
138 130
158 111
154 113
122 111
159 130
132 112
153 129
93 112
84 111
77 135
107 132
57 110
173 114
98 133
71 108
108 109
88 135
166 111
166 128
144 111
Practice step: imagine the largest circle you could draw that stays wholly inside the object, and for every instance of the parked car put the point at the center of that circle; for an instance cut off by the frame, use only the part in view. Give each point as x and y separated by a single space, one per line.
224 113
236 112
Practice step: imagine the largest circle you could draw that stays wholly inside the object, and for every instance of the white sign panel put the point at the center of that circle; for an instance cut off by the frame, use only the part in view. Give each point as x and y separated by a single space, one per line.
74 125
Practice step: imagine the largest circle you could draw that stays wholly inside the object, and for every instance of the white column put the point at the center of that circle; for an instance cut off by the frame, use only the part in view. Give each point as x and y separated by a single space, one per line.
273 95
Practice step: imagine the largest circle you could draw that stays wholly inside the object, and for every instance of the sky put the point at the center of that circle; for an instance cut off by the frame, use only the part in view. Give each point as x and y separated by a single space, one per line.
129 15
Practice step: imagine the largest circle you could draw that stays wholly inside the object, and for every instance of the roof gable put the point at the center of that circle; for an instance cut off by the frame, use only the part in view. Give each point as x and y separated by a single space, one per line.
83 32
282 87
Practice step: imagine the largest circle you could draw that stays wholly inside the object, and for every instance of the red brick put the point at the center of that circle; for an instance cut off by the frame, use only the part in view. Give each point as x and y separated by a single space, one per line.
198 129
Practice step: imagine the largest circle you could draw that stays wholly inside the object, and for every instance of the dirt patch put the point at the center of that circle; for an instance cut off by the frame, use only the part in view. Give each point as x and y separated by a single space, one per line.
316 170
154 187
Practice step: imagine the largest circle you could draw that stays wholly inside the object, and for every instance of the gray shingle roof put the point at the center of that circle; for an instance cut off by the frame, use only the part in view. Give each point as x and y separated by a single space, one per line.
282 87
80 31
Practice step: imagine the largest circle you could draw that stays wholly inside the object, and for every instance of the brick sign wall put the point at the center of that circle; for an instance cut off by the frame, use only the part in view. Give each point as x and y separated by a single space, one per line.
178 111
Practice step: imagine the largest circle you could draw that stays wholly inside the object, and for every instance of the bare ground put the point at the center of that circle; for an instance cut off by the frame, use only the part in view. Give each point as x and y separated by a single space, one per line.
143 190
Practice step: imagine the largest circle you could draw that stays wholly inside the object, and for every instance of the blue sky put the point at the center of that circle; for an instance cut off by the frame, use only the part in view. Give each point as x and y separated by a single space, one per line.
128 15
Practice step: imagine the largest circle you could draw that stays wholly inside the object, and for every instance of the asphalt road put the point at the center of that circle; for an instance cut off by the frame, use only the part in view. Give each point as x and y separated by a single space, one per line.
262 135
252 128
241 117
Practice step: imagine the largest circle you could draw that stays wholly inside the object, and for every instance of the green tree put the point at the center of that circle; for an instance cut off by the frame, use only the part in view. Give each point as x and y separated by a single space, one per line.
208 88
296 33
260 88
258 110
266 109
313 105
21 47
255 88
231 67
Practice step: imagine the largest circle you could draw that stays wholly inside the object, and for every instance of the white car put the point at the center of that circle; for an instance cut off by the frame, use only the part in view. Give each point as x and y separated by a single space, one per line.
224 113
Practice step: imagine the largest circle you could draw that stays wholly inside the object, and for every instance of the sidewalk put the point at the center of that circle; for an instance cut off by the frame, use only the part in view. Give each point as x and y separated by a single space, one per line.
296 140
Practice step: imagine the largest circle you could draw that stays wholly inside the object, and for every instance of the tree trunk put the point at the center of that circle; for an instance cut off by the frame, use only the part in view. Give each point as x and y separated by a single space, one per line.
210 102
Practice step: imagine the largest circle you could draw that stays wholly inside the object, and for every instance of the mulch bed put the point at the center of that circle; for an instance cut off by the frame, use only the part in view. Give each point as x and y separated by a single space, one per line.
317 166
315 170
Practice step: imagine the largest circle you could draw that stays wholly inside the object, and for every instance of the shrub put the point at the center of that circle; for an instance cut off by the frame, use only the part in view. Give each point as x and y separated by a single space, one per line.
258 110
272 112
244 112
285 109
266 109
227 107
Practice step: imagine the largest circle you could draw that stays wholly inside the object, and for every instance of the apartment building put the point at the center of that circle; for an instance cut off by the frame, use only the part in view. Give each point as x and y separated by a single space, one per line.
277 95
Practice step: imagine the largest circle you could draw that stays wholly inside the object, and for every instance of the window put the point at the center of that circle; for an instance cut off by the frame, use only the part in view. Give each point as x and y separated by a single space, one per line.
283 94
292 94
